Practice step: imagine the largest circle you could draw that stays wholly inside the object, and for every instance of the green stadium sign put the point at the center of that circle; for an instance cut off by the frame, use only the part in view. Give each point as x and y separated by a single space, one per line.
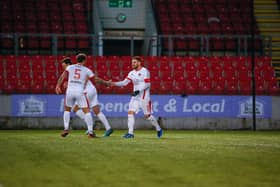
120 3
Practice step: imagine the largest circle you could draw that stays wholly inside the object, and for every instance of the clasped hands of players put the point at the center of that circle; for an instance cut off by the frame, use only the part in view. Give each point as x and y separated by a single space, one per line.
110 83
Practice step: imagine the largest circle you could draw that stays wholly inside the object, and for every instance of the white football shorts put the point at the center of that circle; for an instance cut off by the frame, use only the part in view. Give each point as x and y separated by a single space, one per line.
72 98
92 97
137 103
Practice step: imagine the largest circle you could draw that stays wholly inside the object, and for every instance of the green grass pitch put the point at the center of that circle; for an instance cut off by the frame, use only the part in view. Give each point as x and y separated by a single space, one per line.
180 158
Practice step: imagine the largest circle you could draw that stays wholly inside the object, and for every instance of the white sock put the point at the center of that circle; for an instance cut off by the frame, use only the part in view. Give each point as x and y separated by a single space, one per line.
80 114
130 123
89 122
66 119
104 120
154 122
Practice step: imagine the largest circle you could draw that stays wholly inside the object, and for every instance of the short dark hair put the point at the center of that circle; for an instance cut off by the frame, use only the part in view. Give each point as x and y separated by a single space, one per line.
81 57
138 58
66 60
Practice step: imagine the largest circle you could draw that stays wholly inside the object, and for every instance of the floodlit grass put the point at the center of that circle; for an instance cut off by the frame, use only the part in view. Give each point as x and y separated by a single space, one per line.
181 158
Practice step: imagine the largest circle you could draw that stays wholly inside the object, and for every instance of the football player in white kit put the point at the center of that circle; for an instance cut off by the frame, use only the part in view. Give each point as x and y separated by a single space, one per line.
140 77
77 76
91 93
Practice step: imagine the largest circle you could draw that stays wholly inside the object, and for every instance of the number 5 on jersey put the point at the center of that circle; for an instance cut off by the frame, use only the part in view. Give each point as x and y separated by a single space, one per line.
77 74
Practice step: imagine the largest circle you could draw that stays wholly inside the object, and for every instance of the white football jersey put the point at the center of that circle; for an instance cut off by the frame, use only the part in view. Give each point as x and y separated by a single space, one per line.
140 79
77 77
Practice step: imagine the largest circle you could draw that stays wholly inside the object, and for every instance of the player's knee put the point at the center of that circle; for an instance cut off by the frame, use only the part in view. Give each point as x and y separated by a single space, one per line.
96 110
75 108
131 113
68 109
147 116
85 110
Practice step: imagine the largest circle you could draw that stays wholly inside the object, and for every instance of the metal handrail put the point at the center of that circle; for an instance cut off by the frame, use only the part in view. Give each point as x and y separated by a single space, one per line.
97 42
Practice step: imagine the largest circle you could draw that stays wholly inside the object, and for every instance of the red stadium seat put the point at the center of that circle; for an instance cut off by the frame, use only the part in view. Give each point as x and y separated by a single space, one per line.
38 76
100 60
126 71
11 76
192 85
191 73
245 87
51 67
36 59
216 72
268 73
50 86
103 74
260 85
190 66
205 84
45 42
90 65
229 71
152 67
217 43
206 73
52 77
116 75
179 77
178 69
176 60
155 79
113 60
179 87
24 65
243 73
155 88
2 83
25 76
164 74
232 85
1 69
273 87
125 60
104 90
11 62
122 90
24 86
10 87
166 86
219 86
115 66
83 42
164 64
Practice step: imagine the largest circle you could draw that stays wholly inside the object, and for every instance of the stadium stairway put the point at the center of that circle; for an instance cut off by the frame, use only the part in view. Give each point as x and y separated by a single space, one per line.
268 18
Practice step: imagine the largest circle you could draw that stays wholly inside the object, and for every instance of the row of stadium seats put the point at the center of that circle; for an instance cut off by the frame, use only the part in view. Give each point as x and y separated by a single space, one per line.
218 17
173 17
169 75
41 17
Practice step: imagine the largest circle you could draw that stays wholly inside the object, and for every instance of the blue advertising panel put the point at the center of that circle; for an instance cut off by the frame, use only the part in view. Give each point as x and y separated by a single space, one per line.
163 105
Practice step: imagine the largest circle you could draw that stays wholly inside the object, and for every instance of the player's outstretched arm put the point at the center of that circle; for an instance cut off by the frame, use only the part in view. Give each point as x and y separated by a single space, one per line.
59 82
102 81
120 83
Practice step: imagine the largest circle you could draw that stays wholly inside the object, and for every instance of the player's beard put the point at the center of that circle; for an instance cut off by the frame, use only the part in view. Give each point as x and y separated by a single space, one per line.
136 67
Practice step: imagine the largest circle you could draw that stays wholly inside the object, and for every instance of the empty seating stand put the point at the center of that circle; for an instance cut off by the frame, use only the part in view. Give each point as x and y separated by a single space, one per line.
44 17
215 75
195 17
